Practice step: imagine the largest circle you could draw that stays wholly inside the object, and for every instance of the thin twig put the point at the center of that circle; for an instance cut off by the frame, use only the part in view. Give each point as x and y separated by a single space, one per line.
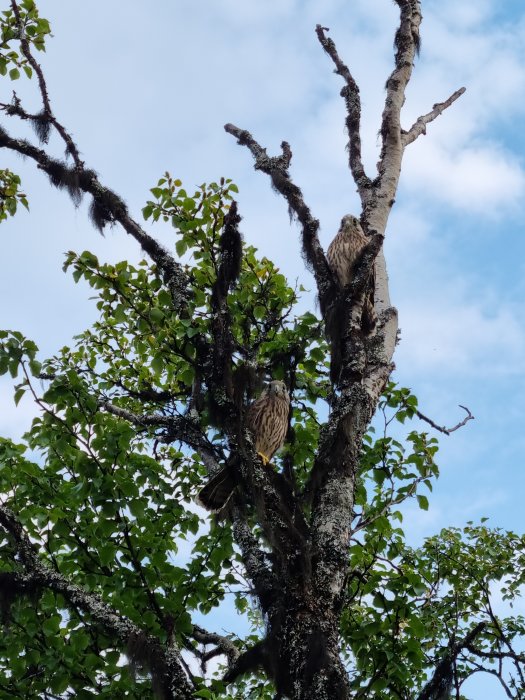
419 126
442 429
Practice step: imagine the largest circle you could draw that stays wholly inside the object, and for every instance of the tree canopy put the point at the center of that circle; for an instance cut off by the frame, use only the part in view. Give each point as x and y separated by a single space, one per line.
108 568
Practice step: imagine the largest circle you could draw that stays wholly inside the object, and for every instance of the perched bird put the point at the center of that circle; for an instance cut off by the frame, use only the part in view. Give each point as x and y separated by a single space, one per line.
267 420
345 249
342 255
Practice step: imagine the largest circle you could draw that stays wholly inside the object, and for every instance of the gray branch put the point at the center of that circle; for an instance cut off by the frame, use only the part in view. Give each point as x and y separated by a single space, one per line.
255 560
350 93
223 644
420 125
434 688
443 429
277 168
183 428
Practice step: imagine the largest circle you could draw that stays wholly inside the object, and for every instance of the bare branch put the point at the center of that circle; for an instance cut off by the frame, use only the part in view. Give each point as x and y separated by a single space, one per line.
350 93
442 429
184 428
138 419
495 654
407 45
166 663
277 168
419 126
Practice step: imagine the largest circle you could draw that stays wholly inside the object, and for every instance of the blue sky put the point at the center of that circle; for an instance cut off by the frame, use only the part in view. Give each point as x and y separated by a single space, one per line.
144 92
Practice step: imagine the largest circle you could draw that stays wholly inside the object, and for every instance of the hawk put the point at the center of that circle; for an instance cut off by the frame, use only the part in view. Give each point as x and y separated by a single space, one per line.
342 255
345 249
267 420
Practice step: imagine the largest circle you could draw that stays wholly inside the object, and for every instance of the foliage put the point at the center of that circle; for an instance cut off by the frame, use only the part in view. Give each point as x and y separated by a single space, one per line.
106 492
111 506
10 196
28 25
122 498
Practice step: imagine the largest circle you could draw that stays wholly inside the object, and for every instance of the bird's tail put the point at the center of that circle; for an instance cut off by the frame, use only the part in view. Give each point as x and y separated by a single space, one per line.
218 491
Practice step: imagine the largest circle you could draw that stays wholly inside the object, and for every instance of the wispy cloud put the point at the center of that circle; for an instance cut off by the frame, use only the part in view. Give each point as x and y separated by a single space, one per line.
477 178
461 339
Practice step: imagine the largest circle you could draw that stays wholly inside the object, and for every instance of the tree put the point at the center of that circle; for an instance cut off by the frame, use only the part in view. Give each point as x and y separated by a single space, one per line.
151 400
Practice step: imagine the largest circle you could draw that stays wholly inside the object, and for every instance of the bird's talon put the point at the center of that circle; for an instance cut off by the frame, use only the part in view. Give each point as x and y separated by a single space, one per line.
264 458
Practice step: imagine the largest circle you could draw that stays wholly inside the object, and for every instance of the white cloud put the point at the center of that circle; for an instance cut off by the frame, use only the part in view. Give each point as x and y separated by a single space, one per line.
464 13
460 338
477 178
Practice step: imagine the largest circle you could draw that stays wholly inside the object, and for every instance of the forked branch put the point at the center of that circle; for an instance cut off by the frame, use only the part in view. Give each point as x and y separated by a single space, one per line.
443 429
440 683
223 645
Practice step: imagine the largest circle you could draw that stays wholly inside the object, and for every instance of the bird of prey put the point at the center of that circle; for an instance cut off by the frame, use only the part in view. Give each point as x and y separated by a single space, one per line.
267 420
342 255
344 251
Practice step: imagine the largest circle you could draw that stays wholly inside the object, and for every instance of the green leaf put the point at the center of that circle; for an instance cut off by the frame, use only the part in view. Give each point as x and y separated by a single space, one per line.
156 314
51 625
181 247
423 502
157 364
119 314
18 394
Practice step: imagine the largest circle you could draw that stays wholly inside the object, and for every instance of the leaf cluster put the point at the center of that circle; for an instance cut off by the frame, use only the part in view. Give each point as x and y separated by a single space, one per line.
29 26
10 194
